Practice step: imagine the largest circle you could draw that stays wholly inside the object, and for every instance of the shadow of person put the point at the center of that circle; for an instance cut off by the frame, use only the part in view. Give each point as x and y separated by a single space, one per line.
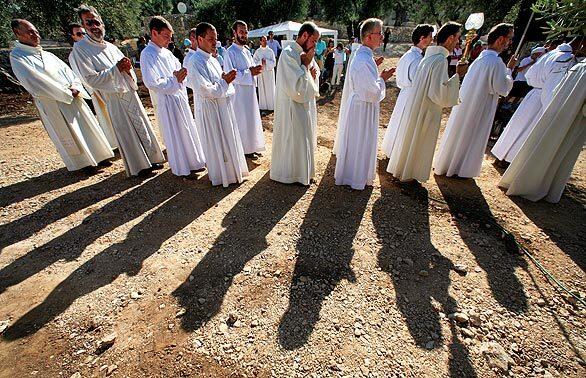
324 253
246 226
178 210
63 206
72 243
471 213
420 273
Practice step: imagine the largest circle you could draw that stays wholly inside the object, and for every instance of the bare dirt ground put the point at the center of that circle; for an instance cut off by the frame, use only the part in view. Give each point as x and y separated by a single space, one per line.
104 275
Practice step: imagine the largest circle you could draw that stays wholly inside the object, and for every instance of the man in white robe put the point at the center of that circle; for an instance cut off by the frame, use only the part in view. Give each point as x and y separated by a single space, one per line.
356 158
345 95
406 70
110 76
549 66
464 141
294 134
239 58
59 96
433 90
213 91
162 73
266 80
544 163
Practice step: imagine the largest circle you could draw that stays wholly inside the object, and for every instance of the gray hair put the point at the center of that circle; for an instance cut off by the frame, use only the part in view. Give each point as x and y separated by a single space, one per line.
368 26
84 8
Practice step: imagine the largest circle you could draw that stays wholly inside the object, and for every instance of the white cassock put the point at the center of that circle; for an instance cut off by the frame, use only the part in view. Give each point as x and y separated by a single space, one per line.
356 158
433 90
216 120
115 93
184 150
544 164
72 127
464 141
245 101
344 100
266 80
519 126
294 130
406 70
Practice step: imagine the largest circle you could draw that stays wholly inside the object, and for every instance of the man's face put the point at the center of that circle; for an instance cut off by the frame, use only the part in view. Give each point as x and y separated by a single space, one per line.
161 38
207 43
271 35
193 40
452 41
77 34
426 41
310 42
27 34
94 25
241 34
263 41
376 36
505 42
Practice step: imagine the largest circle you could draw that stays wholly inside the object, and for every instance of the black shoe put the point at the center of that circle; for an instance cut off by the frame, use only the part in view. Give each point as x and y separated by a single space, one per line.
105 163
156 166
89 170
199 170
251 156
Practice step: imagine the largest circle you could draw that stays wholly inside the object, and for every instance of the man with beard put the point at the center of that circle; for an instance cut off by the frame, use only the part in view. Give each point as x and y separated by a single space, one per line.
239 58
109 74
295 112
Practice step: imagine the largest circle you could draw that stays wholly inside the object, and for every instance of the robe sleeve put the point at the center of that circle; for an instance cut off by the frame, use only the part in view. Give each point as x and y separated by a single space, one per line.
502 80
203 86
271 61
299 86
39 84
532 75
411 71
368 85
154 81
74 81
243 76
443 90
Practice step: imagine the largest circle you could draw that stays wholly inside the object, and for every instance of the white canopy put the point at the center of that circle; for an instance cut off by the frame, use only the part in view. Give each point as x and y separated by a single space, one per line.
288 29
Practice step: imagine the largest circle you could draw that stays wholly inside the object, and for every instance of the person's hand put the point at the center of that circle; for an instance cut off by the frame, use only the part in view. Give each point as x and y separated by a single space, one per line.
74 92
180 75
379 60
313 72
387 73
256 70
124 65
307 57
229 76
513 62
461 69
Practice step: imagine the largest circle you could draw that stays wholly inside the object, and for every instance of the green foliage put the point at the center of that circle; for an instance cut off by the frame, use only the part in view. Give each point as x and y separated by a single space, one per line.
563 17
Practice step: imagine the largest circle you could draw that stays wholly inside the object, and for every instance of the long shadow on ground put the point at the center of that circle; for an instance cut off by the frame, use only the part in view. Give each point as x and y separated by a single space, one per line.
181 205
472 214
324 253
246 226
402 225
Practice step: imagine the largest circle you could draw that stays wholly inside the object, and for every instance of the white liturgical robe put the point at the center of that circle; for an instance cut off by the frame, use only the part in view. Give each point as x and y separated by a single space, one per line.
356 157
344 100
115 93
544 163
464 141
266 80
72 127
406 70
542 76
216 120
245 101
294 133
433 90
184 150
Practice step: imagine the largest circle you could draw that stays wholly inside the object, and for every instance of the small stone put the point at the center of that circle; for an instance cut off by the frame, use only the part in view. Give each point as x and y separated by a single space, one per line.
496 356
461 268
223 327
162 306
191 278
201 300
180 313
254 323
460 317
477 269
106 342
475 320
3 325
423 273
358 332
429 345
408 261
134 295
232 318
541 302
76 375
467 333
111 369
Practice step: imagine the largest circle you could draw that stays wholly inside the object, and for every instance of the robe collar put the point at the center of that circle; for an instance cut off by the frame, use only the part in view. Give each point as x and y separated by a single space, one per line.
155 46
416 49
203 54
362 48
297 47
488 52
27 48
238 46
433 50
94 42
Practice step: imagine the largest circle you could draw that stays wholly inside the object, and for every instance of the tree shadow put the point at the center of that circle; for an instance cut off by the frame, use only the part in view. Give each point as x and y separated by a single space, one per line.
324 253
472 214
63 206
178 210
246 226
420 273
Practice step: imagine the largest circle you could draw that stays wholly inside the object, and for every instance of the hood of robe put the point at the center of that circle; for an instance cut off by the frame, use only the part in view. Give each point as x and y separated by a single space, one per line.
433 50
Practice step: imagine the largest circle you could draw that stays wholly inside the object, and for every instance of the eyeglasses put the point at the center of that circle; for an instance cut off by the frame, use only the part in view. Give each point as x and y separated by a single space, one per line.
79 34
381 33
92 22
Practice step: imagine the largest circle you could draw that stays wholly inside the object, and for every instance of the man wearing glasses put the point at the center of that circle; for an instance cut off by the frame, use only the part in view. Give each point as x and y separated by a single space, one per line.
76 32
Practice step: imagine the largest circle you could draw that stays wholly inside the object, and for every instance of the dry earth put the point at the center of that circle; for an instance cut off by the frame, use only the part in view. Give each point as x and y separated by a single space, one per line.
127 277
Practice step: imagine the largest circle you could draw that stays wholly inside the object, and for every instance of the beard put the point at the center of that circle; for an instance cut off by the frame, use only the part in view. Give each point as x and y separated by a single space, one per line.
241 40
96 34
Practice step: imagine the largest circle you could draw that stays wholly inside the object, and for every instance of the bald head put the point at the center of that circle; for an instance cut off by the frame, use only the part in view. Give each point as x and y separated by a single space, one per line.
25 32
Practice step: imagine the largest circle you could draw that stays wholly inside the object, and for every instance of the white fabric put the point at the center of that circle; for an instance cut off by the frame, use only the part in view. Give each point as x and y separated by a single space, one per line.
466 136
433 90
116 94
184 150
544 164
405 73
72 127
225 159
356 158
344 100
290 30
189 80
245 101
294 130
339 56
547 67
521 75
266 80
337 74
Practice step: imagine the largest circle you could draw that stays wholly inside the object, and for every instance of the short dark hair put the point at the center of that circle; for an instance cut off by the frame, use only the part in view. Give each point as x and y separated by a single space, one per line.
500 30
271 32
448 29
421 31
159 23
307 27
84 8
72 26
202 29
15 24
192 31
238 23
